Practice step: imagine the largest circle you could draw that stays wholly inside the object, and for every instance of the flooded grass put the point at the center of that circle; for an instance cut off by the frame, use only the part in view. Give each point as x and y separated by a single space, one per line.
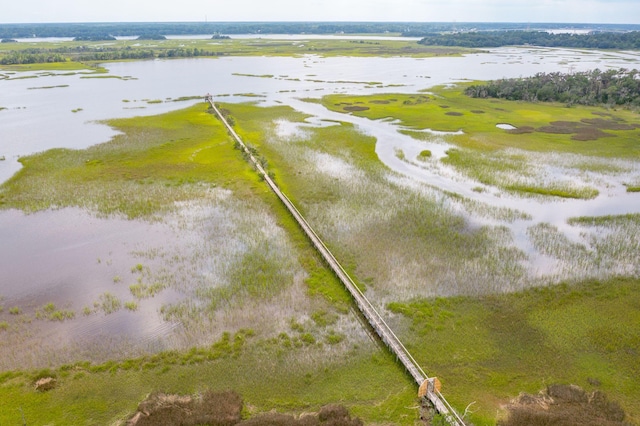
608 246
513 172
399 240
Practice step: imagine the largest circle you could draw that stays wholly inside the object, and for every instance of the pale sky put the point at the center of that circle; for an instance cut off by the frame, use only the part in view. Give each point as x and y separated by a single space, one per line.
576 11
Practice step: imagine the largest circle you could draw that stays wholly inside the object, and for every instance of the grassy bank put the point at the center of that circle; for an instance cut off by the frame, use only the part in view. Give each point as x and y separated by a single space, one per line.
491 348
371 385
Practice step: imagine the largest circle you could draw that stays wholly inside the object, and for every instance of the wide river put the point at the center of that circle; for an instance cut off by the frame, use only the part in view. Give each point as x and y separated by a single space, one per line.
52 255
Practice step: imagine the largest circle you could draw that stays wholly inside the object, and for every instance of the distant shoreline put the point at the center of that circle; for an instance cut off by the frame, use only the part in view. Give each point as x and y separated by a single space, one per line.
415 29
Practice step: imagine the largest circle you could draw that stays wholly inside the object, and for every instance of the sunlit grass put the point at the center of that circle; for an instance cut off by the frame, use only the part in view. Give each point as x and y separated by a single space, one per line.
489 349
107 393
434 111
140 174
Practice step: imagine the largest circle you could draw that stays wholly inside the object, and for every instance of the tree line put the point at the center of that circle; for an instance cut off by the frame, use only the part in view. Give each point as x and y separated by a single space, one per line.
92 30
83 53
19 58
596 87
597 40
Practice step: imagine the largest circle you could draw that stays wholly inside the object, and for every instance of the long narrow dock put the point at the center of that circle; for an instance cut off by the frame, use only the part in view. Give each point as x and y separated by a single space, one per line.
428 387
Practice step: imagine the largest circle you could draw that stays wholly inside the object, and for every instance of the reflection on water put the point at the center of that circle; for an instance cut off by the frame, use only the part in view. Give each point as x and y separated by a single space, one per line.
70 258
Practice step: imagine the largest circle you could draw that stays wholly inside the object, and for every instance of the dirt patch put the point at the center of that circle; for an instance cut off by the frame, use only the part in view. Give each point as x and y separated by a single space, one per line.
601 123
454 113
210 408
355 108
225 409
380 102
329 415
521 130
588 129
564 405
567 124
590 134
558 130
444 106
477 111
45 384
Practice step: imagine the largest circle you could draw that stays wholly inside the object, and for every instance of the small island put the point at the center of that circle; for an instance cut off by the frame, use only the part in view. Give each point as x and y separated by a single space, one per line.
151 37
97 37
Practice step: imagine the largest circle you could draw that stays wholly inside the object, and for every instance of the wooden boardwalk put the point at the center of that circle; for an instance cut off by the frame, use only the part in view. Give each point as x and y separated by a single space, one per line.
428 387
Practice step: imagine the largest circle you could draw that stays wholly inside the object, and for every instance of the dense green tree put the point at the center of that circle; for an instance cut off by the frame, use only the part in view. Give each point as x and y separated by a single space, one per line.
478 39
611 87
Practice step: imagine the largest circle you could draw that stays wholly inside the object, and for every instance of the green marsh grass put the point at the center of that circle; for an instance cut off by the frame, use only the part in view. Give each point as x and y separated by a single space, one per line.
506 159
284 384
108 303
52 313
131 306
489 349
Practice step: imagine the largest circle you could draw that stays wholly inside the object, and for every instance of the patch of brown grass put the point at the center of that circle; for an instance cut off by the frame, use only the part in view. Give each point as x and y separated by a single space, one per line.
521 130
355 108
556 130
214 409
601 123
564 405
225 409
